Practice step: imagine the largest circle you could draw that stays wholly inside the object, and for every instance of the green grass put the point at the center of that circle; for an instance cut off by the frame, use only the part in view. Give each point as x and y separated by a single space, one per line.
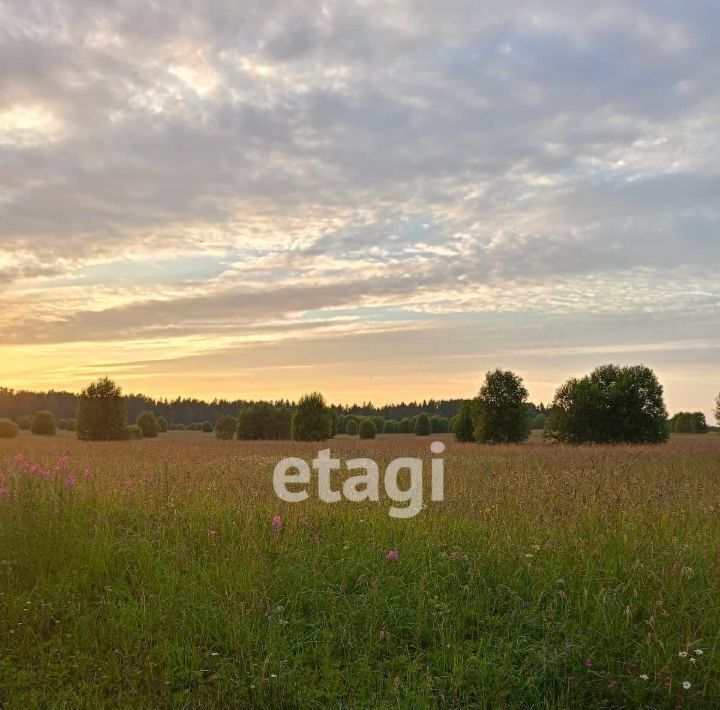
172 590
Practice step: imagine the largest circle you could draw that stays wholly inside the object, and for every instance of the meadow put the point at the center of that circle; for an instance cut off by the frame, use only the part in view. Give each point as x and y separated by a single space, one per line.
148 574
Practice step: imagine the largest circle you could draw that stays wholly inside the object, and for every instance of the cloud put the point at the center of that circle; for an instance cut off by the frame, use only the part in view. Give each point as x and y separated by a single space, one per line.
380 160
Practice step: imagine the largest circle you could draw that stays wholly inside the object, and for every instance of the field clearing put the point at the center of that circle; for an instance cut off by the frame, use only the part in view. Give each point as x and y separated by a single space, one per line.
551 576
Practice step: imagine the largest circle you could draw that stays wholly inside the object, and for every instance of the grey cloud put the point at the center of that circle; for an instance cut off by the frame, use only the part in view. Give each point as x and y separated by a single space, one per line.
506 123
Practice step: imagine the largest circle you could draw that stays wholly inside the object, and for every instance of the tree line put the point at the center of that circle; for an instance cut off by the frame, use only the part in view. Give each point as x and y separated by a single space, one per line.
21 405
613 404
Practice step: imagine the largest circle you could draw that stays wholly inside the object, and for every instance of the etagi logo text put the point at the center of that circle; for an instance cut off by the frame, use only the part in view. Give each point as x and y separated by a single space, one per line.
363 486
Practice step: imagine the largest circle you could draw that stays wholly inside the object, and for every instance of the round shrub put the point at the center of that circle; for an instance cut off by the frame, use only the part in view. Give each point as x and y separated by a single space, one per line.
163 423
133 431
149 424
351 427
8 429
404 426
367 429
391 426
225 428
25 423
207 427
43 424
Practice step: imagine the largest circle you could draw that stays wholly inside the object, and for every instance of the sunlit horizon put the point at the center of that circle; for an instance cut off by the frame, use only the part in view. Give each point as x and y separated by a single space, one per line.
377 202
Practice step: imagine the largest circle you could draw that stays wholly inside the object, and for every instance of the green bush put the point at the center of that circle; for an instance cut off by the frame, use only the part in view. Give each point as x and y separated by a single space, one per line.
43 424
367 429
405 426
390 426
149 424
207 427
264 421
225 428
352 428
163 423
689 423
8 429
101 412
423 425
341 424
311 421
134 431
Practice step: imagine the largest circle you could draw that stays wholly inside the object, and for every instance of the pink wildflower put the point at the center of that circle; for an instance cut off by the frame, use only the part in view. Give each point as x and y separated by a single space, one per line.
63 463
277 523
128 484
392 555
588 663
70 481
87 475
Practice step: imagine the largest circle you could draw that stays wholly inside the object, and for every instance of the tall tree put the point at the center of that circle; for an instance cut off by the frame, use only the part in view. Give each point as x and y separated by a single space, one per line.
311 421
502 414
101 412
463 428
612 405
423 425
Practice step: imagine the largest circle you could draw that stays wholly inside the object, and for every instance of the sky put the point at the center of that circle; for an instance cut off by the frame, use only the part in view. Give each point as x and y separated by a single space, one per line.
377 200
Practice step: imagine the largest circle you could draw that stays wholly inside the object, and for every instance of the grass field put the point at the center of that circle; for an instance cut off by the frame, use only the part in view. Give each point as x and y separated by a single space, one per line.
147 574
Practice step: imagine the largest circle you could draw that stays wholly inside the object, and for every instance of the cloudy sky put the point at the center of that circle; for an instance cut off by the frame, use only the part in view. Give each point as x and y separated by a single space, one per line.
378 200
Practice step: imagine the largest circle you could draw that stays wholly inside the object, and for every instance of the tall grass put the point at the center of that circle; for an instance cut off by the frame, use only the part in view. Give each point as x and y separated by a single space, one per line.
147 574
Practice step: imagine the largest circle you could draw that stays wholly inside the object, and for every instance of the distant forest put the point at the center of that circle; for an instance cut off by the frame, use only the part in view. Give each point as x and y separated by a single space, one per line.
20 403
